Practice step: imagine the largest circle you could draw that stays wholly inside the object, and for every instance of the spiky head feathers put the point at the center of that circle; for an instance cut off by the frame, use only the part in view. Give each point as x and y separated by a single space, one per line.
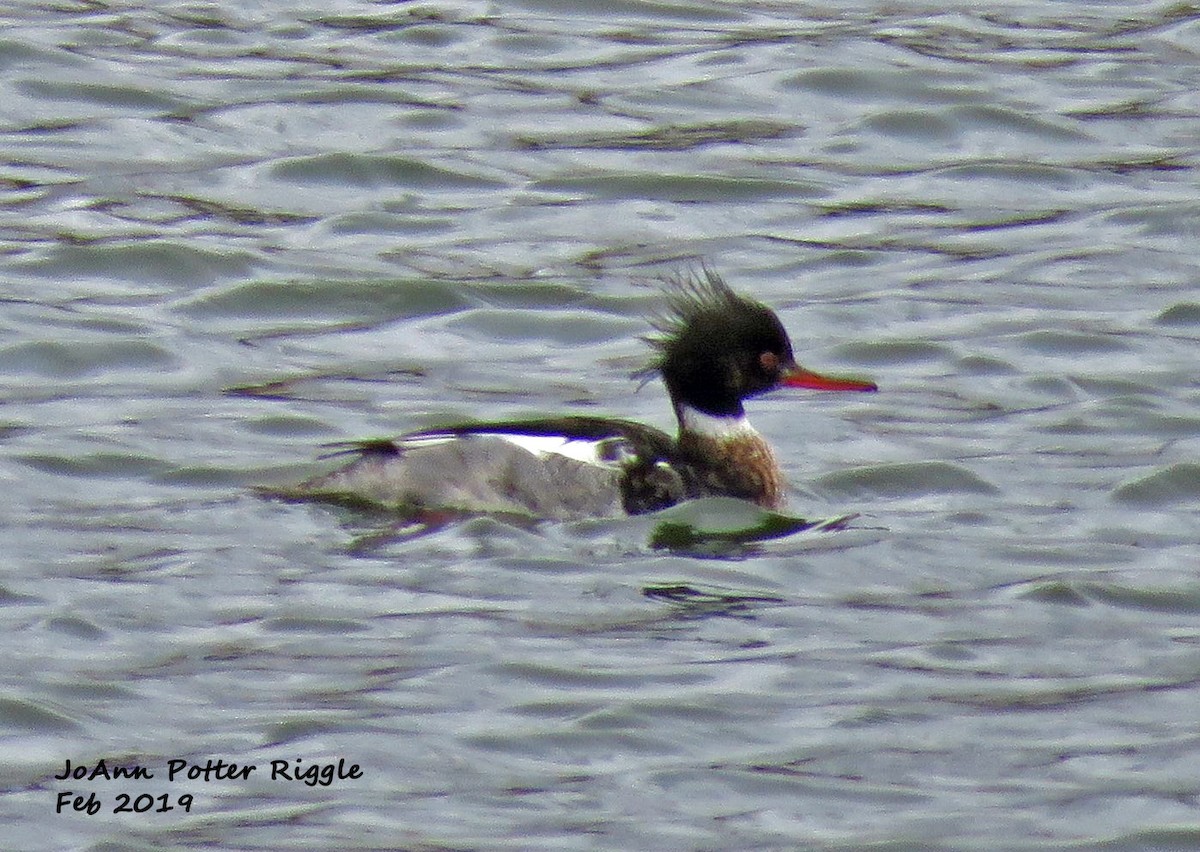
716 348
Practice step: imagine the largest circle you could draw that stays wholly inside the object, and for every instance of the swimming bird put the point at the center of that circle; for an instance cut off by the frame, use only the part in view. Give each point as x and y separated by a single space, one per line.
714 349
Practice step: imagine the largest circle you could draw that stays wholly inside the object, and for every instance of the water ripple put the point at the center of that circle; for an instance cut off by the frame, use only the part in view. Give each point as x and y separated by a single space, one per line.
237 231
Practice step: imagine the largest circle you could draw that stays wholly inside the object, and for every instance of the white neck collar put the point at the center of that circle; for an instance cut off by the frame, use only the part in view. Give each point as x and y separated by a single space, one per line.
714 426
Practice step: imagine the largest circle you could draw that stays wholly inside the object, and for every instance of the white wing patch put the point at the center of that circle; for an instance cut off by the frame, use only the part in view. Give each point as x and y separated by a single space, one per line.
605 452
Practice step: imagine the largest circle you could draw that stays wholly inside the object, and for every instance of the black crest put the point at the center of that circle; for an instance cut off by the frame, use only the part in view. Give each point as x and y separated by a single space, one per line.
715 348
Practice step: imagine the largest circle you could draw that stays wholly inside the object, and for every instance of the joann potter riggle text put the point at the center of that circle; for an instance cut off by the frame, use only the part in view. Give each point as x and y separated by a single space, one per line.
323 774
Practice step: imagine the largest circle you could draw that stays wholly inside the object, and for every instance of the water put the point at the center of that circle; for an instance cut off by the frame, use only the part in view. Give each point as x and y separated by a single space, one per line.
233 234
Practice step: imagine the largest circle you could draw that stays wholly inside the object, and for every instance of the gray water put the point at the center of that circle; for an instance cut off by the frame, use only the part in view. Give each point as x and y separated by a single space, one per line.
232 233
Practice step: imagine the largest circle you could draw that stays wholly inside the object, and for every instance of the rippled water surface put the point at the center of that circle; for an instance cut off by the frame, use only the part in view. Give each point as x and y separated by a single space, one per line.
233 232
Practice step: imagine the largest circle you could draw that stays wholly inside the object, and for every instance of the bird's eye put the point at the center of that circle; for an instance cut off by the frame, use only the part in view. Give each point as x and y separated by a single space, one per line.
769 361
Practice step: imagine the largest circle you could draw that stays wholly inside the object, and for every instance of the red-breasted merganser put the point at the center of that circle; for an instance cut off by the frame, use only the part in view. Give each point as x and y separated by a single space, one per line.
715 349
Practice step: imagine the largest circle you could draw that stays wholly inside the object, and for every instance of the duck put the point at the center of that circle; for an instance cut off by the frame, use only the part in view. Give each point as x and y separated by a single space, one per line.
713 349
